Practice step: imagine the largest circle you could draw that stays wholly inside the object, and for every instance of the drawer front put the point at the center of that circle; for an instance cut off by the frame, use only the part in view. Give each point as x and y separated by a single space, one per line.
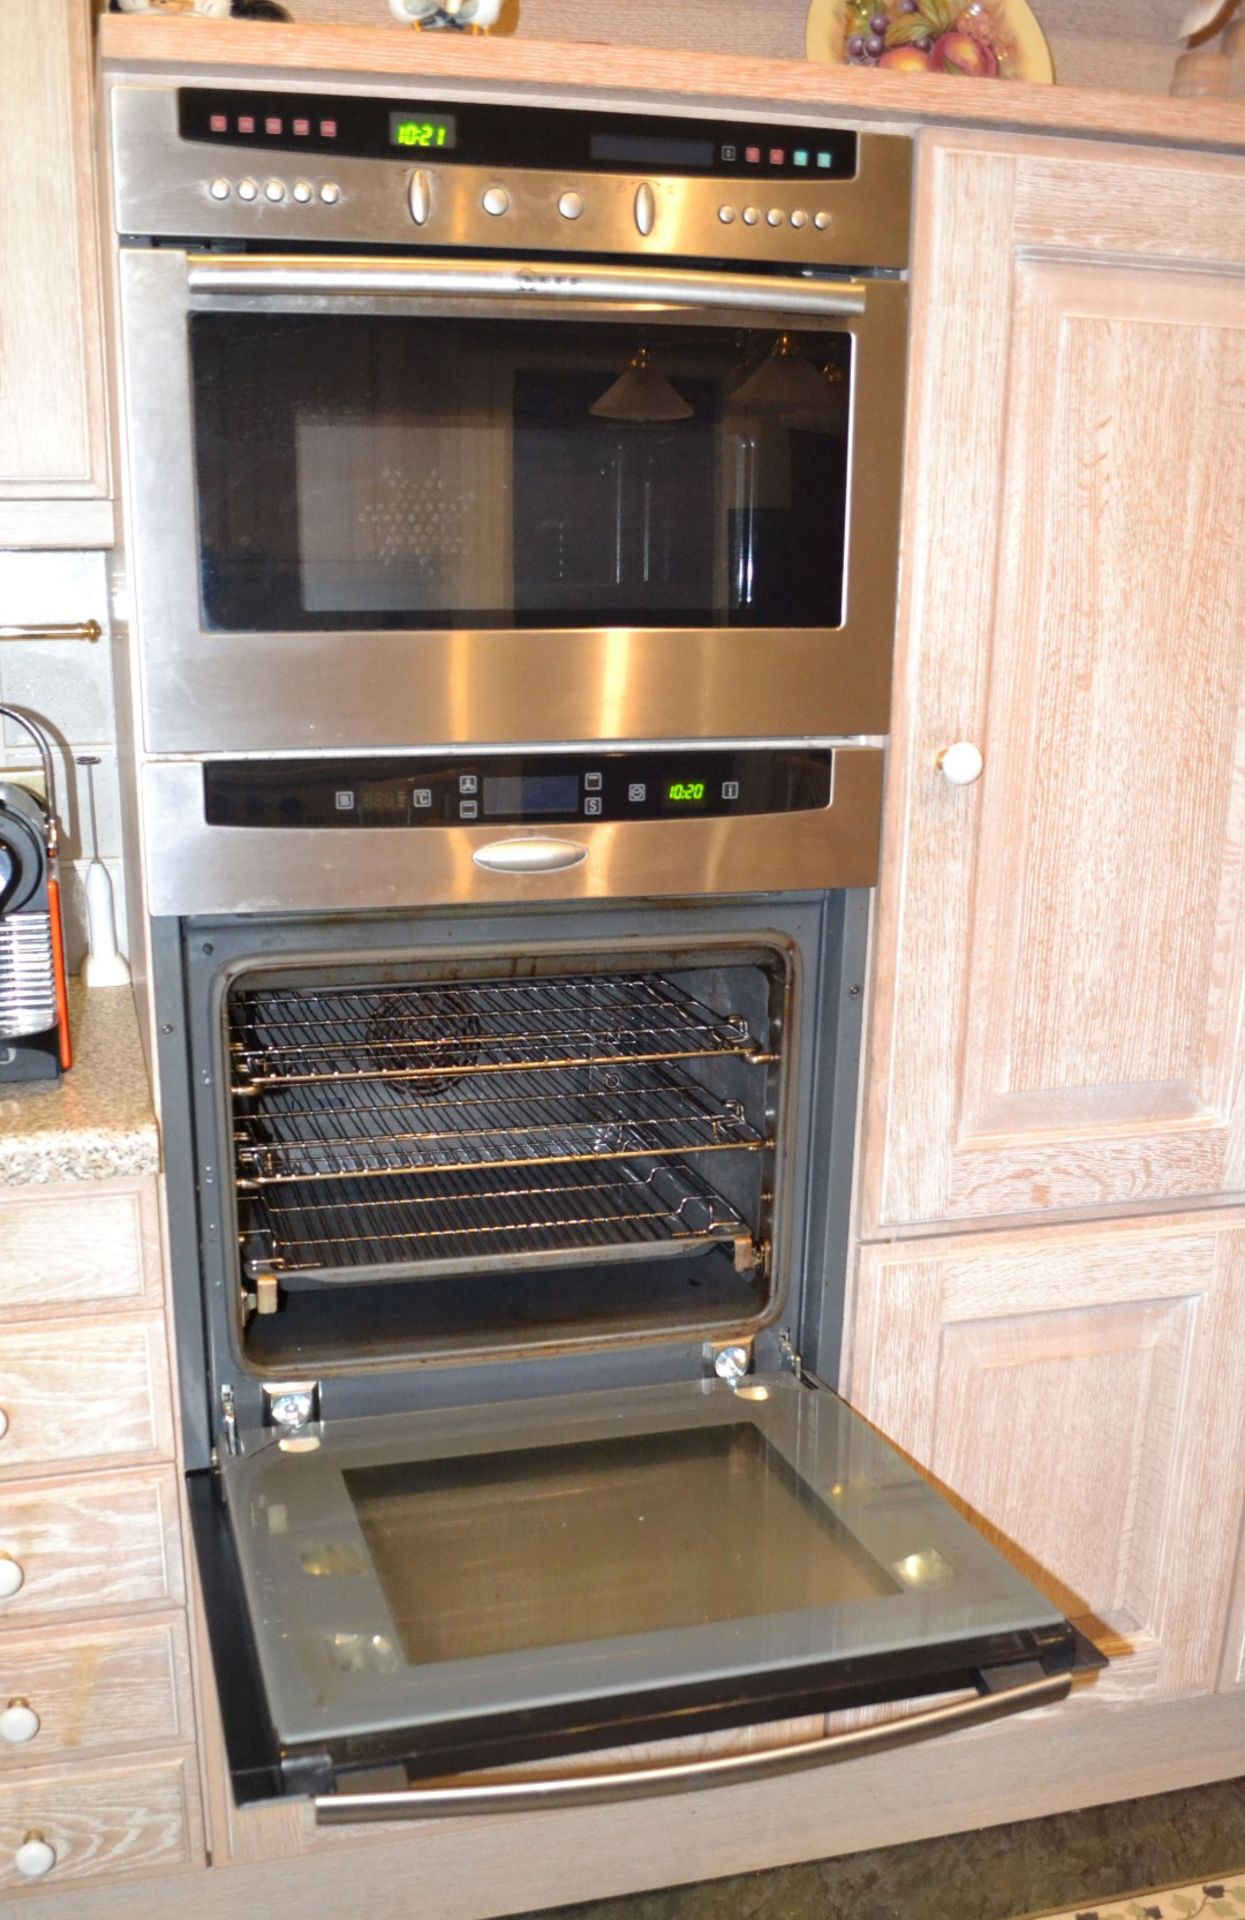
99 1822
83 1248
103 1544
95 1690
80 1390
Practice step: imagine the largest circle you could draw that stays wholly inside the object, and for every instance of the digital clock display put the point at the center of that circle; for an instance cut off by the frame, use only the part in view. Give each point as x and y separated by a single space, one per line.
421 131
686 793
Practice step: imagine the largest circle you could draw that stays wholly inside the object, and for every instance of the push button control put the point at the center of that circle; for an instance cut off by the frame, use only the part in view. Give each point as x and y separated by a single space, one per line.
495 201
645 208
570 205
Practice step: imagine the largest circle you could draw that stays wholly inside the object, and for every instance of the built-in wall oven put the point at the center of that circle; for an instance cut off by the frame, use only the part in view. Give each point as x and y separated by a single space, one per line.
513 580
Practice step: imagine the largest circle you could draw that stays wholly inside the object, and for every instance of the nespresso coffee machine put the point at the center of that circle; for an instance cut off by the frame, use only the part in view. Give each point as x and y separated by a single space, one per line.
34 1013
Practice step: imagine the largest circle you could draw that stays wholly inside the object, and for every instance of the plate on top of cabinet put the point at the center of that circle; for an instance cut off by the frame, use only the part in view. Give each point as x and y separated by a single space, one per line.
983 39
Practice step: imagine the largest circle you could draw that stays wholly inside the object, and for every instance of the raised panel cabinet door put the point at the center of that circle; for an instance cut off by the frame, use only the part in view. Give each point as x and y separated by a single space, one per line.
53 434
1059 956
1233 1674
1075 1391
84 1390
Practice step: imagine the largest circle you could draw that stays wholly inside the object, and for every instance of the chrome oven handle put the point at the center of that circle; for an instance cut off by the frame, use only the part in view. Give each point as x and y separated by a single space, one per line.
563 284
535 854
734 1769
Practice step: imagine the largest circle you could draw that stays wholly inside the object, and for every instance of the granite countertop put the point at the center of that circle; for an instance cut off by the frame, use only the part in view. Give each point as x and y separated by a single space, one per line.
97 1121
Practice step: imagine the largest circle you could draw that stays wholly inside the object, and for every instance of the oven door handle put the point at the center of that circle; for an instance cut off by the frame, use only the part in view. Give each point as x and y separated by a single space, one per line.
564 285
734 1769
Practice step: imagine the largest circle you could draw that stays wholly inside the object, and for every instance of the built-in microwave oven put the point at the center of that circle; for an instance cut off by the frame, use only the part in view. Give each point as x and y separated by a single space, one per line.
581 430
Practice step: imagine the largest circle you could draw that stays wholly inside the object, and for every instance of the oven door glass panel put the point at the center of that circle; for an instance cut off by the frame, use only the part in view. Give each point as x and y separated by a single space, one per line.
389 471
433 1587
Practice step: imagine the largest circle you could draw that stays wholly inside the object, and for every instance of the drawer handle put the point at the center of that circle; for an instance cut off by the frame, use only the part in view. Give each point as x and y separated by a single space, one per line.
4 1423
36 1856
19 1722
12 1574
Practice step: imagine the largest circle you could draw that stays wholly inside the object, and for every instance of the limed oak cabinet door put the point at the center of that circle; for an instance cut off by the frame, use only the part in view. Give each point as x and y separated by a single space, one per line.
54 465
1059 952
1076 1391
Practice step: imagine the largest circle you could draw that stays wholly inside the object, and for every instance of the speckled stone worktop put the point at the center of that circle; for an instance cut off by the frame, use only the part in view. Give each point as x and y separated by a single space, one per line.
96 1122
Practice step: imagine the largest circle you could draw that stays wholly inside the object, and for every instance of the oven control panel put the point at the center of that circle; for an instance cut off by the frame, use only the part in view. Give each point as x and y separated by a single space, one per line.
272 166
517 789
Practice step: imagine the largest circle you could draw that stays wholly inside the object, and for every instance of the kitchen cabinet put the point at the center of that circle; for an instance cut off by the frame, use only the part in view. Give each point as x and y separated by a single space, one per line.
1060 944
1072 1388
54 458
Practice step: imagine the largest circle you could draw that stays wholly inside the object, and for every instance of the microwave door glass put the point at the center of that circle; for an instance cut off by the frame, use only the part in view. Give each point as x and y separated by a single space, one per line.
443 1588
373 471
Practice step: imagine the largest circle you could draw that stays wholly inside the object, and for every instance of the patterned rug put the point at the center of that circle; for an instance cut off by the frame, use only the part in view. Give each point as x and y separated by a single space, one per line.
1224 1898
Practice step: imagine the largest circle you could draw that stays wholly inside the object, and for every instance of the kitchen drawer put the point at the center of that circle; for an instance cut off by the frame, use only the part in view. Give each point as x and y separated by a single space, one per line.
85 1391
101 1544
101 1821
82 1390
90 1246
93 1690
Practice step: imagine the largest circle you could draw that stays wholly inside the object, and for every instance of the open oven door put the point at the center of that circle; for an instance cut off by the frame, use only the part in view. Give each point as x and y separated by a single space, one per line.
438 1593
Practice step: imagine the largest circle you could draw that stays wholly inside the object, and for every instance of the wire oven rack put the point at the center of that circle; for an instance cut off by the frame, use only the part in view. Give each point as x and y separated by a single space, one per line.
387 1131
300 1036
569 1114
584 1213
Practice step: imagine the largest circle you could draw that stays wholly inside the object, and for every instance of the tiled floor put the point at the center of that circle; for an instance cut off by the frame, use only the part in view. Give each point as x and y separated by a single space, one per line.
1224 1897
1067 1864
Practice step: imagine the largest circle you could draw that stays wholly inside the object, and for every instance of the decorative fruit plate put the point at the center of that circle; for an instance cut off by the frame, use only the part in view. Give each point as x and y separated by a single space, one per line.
987 39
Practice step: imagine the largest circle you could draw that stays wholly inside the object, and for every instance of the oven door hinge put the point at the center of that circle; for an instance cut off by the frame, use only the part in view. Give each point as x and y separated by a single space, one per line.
229 1420
291 1405
730 1361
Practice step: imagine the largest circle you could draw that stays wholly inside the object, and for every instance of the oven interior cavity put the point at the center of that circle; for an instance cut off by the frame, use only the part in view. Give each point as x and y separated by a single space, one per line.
518 1154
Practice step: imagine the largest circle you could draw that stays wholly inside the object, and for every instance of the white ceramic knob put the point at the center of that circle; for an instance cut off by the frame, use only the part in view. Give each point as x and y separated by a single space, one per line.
35 1856
11 1576
4 1423
19 1723
961 764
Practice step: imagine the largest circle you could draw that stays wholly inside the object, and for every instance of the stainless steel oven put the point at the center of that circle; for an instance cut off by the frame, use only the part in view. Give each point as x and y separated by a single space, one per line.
514 619
572 429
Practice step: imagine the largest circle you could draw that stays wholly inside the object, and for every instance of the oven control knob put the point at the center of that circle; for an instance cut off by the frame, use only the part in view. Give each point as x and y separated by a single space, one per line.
419 197
274 190
303 191
35 1856
247 190
961 764
219 189
645 208
18 1723
495 201
12 1575
571 205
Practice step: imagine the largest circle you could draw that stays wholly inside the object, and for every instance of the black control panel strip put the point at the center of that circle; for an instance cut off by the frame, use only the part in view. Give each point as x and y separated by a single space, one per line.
546 789
477 135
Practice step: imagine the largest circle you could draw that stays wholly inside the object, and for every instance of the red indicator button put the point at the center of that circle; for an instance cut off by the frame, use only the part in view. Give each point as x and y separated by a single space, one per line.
776 156
219 123
752 154
272 124
328 129
302 128
246 123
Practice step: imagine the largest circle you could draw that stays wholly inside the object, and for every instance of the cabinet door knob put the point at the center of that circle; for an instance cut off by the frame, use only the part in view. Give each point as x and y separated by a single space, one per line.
961 764
11 1575
35 1857
4 1423
18 1723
